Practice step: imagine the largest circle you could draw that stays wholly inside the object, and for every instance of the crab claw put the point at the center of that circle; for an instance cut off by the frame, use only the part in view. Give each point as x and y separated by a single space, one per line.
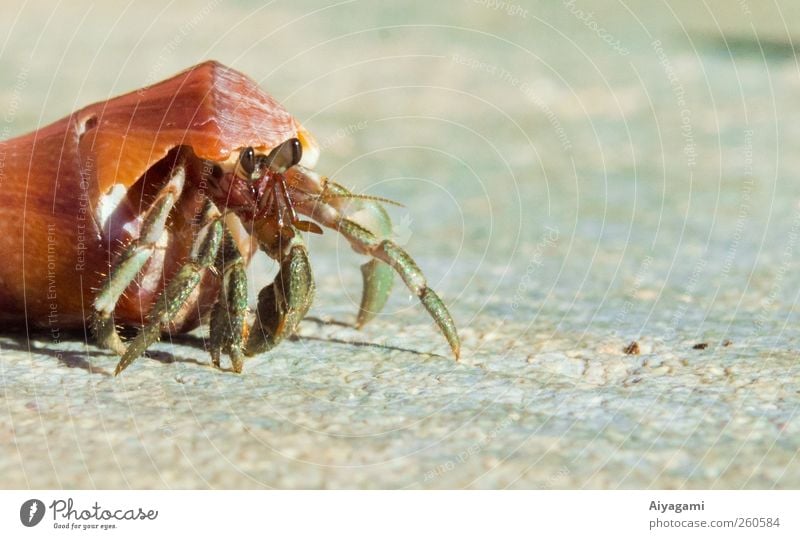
378 279
377 275
284 303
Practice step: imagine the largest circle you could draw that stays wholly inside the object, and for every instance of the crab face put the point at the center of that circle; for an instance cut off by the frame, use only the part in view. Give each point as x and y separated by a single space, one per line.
242 182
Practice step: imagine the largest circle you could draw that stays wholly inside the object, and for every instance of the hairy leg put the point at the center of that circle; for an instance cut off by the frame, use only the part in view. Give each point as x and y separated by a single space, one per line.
228 318
178 290
365 242
132 261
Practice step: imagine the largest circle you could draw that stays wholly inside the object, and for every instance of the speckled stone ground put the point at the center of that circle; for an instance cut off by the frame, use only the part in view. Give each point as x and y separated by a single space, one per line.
577 176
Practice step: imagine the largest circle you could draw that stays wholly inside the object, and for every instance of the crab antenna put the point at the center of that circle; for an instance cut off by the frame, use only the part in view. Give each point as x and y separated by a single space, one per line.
363 197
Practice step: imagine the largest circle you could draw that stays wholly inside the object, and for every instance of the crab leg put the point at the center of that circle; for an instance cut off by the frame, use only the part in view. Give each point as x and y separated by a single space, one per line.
177 291
316 197
365 242
228 324
284 303
132 261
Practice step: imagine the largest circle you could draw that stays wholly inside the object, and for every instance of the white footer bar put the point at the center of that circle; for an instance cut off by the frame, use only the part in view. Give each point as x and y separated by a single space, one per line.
401 514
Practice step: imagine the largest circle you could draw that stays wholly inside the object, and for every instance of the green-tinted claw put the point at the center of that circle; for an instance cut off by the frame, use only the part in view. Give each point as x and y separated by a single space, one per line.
284 303
378 276
378 279
266 331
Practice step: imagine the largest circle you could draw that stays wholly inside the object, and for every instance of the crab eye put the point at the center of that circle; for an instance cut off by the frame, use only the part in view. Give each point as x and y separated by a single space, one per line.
284 156
247 164
297 151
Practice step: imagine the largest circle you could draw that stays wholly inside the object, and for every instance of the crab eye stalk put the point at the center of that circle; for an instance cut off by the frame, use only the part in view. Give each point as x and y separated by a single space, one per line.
285 155
297 151
247 164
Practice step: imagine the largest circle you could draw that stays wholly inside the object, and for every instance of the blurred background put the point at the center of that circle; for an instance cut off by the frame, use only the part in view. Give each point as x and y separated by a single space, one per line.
576 175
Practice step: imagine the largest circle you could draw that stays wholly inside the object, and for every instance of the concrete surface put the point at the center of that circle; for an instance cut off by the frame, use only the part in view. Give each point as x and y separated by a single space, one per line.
577 176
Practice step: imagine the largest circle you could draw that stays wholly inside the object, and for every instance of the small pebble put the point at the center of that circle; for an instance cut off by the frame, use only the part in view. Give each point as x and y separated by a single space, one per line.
632 349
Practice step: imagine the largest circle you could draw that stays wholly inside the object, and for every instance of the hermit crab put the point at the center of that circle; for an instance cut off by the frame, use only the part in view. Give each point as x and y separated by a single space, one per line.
144 211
